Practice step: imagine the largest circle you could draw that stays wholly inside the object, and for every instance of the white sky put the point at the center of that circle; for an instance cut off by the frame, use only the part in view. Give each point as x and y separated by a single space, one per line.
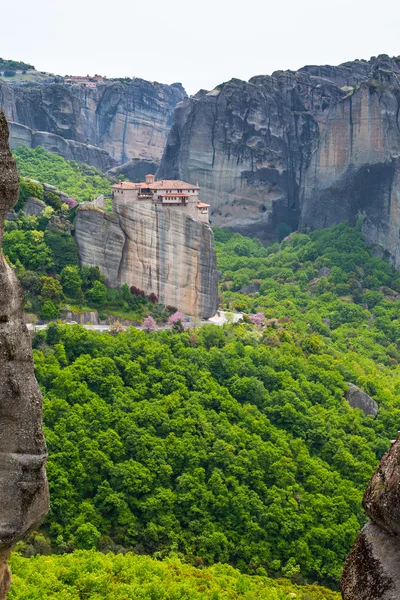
199 44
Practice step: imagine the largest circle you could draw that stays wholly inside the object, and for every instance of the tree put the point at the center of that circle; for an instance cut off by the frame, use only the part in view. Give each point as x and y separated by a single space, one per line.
149 324
176 321
51 288
71 281
87 536
97 294
49 310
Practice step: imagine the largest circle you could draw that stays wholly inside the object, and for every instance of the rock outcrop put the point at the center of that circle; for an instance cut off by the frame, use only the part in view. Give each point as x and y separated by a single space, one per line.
372 570
158 250
109 124
309 148
23 484
357 398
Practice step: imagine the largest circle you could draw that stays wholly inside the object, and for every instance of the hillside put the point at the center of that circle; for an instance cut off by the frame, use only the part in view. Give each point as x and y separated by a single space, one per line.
231 444
80 181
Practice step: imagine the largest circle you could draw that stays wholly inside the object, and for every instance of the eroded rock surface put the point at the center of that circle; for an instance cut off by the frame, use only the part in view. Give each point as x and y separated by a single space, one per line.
104 126
156 249
372 569
309 148
357 398
23 484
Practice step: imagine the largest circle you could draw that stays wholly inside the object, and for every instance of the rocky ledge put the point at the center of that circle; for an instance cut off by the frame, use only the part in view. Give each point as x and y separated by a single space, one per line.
156 249
23 484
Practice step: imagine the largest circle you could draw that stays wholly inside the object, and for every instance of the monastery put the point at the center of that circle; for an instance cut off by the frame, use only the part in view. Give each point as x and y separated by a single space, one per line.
173 194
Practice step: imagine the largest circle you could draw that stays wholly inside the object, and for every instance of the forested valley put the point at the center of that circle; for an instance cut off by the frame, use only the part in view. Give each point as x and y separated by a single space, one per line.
231 444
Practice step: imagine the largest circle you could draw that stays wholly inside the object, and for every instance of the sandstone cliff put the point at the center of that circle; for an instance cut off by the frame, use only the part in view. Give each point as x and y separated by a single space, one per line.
153 248
371 571
103 126
308 148
23 485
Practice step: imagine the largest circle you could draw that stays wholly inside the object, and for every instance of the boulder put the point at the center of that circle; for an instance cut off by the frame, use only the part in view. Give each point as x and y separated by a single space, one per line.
23 484
372 569
34 207
357 398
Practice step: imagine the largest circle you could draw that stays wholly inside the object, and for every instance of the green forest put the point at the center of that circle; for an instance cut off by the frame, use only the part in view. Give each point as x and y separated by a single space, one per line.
91 575
78 180
229 444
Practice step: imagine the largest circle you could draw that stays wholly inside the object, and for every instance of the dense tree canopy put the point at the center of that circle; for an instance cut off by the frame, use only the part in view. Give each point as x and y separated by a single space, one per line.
94 576
232 444
80 181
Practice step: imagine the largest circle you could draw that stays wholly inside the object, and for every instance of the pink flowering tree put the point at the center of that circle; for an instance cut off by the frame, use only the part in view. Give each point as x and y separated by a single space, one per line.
258 319
71 202
149 324
176 321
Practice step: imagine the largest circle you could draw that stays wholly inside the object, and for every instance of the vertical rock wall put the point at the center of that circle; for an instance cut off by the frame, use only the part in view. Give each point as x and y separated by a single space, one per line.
111 124
23 484
309 148
156 249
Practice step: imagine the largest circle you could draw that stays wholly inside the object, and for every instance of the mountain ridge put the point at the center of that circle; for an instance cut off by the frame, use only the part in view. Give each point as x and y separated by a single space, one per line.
308 148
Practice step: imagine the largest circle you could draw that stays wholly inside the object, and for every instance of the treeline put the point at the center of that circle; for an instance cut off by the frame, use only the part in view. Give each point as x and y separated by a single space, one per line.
91 575
14 65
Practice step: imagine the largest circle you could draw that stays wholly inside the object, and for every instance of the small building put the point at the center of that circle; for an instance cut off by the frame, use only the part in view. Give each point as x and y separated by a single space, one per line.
173 194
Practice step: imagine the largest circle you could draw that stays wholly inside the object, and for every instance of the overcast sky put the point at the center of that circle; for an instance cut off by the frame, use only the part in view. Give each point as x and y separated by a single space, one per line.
200 43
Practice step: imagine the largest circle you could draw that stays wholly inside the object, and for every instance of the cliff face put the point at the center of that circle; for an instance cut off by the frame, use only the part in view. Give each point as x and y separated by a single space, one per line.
372 569
23 485
310 149
104 126
155 249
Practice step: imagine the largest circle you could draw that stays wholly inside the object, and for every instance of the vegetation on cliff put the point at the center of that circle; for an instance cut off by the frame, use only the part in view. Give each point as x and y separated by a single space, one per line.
14 65
78 180
44 254
92 575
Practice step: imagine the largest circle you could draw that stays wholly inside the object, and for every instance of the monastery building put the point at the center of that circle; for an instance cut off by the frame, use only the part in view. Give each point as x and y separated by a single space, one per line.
173 194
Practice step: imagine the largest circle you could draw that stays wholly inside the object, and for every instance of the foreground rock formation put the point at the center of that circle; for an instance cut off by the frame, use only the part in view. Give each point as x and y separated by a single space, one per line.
23 484
109 124
156 249
372 570
309 148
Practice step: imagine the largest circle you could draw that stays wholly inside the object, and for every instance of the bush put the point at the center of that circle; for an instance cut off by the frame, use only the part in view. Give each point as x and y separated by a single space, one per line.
49 310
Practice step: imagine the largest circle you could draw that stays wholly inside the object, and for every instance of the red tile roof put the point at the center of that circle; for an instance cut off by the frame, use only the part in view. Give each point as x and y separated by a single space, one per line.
174 195
163 184
202 205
